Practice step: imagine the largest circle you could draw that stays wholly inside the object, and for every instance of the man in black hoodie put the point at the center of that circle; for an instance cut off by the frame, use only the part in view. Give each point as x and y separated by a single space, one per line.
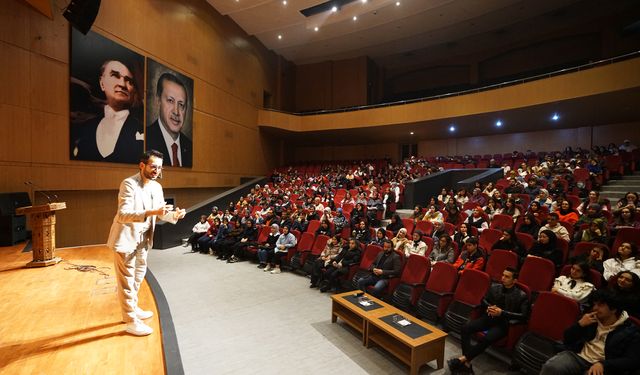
604 341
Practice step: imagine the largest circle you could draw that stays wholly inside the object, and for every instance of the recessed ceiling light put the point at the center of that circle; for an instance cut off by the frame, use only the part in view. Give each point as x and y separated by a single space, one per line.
397 3
284 2
334 9
364 1
316 28
555 117
279 36
498 123
411 133
452 128
355 18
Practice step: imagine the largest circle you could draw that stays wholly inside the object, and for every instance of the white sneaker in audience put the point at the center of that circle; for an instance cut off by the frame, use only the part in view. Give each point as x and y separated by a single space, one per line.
267 268
139 329
276 270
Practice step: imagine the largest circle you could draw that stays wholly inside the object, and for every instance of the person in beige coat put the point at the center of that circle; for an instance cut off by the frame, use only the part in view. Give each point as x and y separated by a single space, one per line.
140 204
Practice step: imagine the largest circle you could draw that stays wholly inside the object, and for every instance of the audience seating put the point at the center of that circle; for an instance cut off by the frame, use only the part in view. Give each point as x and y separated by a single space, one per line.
313 226
631 235
538 274
309 257
501 222
426 227
498 261
438 292
262 238
370 254
488 237
408 225
306 243
582 248
467 299
414 277
550 316
525 240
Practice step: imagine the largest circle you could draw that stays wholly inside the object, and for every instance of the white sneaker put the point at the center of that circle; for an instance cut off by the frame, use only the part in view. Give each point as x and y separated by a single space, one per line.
139 329
143 314
267 268
276 271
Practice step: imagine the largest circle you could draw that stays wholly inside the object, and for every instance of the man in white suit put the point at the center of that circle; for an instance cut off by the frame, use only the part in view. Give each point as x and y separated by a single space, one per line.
140 203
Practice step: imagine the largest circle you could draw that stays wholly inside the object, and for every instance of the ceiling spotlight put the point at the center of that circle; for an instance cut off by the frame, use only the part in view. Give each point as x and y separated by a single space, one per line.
284 2
555 117
316 28
334 9
498 123
279 36
411 133
452 128
355 18
364 1
397 3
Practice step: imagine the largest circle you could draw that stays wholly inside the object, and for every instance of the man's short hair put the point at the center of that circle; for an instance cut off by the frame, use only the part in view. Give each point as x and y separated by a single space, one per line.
608 298
513 271
387 241
472 240
144 158
171 78
554 215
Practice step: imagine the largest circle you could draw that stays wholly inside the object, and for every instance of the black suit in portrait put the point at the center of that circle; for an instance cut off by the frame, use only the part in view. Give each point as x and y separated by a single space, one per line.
155 141
129 146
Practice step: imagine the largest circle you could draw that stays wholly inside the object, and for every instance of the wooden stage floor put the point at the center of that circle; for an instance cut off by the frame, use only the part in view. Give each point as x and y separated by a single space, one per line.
55 320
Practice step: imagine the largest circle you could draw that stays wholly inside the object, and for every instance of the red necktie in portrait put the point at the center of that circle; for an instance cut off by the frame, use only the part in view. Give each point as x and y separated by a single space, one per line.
174 157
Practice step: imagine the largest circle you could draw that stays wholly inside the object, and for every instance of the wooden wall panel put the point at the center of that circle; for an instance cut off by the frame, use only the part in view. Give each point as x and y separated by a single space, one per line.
349 83
49 37
49 85
14 73
15 134
313 88
45 128
15 24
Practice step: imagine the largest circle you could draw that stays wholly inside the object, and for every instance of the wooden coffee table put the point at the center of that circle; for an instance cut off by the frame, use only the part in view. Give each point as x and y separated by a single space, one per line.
377 329
415 352
355 315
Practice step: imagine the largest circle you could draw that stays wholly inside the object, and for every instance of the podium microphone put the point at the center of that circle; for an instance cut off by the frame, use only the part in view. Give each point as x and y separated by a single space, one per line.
34 186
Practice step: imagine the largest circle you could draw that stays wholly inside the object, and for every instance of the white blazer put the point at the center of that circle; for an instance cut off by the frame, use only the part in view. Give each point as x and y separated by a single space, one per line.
128 228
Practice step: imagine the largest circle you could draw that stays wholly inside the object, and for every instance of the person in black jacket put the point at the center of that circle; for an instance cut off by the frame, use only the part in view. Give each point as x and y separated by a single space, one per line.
348 257
248 237
604 341
386 266
506 304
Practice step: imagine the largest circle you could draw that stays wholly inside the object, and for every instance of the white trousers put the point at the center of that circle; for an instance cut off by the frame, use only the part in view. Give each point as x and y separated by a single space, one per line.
130 270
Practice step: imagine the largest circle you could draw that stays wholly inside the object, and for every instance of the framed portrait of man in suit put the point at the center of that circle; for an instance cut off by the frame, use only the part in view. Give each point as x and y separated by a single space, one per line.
169 114
106 100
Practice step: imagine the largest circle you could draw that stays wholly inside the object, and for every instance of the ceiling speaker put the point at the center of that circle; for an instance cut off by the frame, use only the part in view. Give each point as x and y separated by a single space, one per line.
82 13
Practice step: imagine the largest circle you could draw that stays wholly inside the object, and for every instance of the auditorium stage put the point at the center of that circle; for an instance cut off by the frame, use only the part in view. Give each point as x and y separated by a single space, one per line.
61 321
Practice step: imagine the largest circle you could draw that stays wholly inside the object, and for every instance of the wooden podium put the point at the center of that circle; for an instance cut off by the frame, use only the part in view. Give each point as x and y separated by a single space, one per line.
43 232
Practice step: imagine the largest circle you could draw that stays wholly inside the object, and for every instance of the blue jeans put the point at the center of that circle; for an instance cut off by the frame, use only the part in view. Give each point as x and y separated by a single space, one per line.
565 363
378 284
264 255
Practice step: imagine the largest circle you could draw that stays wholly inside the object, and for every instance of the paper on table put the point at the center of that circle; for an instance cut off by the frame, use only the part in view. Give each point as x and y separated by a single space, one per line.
365 303
404 322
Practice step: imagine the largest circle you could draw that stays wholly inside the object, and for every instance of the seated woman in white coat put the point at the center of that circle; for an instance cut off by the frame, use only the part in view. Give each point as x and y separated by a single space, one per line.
625 260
